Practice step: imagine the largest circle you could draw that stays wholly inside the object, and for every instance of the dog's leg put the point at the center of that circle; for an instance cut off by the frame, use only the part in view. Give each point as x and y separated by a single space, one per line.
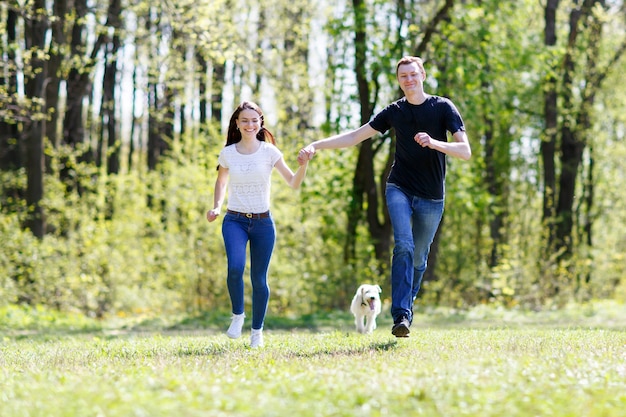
371 323
358 321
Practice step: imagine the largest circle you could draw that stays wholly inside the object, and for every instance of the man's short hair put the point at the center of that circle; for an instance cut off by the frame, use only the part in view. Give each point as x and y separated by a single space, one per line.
406 60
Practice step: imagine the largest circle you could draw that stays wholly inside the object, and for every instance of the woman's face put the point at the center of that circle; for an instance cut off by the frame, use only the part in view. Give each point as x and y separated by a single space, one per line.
249 123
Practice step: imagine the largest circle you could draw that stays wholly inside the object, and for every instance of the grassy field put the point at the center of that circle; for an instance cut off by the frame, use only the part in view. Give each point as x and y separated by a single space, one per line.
484 362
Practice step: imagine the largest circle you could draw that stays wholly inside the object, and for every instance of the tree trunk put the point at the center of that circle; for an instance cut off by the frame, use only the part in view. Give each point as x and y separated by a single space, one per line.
571 156
217 89
11 156
494 187
135 127
202 90
548 143
153 127
157 109
572 131
56 57
35 32
77 85
77 82
177 110
588 217
300 112
108 89
365 165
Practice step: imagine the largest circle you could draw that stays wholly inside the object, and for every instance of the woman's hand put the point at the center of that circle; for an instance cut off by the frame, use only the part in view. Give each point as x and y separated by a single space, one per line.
212 214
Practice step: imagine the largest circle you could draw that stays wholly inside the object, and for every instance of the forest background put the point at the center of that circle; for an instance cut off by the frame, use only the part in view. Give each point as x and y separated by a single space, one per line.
112 114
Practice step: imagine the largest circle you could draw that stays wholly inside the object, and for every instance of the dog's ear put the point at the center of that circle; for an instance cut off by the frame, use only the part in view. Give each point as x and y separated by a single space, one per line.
379 289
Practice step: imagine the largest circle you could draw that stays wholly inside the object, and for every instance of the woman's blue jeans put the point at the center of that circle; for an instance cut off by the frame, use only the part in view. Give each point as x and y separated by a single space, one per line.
237 231
414 221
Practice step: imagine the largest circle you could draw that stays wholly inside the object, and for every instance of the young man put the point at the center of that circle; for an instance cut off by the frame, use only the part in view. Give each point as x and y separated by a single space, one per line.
415 188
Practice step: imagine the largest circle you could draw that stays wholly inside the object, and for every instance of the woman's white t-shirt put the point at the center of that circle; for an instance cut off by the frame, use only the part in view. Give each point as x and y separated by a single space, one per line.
249 177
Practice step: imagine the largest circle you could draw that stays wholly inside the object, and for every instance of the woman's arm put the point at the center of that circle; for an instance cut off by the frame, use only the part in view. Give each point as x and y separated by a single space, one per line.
294 180
220 193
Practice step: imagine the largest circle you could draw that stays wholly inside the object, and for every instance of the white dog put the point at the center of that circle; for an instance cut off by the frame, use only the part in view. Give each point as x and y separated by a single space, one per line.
366 307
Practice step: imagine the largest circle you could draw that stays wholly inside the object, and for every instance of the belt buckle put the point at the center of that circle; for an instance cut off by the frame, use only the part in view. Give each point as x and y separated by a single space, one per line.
249 215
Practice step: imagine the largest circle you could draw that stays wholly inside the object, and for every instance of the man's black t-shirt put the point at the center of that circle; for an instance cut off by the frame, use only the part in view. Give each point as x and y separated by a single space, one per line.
420 171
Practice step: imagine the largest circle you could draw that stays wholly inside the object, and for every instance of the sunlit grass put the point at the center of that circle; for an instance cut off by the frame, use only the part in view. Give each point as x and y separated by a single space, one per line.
483 365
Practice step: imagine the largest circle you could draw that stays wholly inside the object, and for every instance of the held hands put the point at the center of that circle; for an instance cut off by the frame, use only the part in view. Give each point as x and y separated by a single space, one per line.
303 160
306 154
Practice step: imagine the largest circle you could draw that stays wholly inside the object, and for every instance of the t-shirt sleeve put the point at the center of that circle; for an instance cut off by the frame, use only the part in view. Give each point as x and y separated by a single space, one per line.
275 154
454 121
381 121
221 159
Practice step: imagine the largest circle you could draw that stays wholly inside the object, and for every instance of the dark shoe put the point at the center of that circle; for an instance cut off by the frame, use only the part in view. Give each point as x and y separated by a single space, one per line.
401 327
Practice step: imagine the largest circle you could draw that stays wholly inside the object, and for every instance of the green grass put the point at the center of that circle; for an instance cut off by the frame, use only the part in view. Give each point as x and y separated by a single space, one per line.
485 362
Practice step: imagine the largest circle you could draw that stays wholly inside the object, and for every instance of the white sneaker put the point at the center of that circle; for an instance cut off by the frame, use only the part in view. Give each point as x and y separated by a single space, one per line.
234 331
256 338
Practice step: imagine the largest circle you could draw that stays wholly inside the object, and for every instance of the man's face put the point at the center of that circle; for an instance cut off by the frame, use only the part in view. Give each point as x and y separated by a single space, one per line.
410 77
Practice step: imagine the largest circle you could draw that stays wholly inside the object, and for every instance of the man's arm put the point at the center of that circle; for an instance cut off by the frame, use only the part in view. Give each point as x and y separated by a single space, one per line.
342 140
458 148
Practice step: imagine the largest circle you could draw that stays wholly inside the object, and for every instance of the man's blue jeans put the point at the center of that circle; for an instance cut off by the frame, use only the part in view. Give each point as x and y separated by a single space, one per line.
237 231
414 221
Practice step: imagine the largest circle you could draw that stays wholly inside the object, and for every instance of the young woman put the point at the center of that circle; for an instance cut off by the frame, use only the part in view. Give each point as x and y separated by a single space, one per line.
248 158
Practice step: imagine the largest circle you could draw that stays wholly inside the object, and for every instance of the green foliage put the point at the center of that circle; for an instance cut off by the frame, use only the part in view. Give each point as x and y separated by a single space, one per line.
138 243
28 320
128 244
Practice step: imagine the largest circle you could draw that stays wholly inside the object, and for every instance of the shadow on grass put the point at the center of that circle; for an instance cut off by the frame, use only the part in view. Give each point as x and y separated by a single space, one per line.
20 322
334 320
356 350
